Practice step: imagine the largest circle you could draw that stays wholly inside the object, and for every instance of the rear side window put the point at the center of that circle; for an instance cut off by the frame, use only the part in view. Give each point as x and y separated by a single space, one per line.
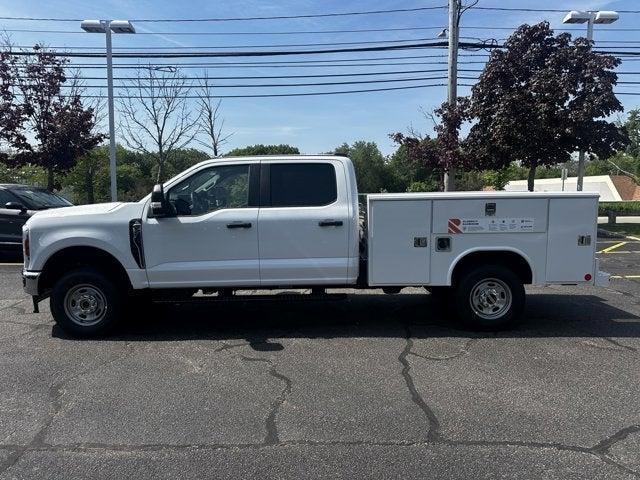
302 184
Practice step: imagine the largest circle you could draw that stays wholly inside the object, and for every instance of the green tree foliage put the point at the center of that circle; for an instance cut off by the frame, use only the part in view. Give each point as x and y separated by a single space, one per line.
542 98
444 152
260 149
369 163
53 127
89 179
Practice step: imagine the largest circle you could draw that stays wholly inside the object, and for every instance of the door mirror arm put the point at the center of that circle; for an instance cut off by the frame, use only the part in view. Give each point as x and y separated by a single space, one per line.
15 206
160 205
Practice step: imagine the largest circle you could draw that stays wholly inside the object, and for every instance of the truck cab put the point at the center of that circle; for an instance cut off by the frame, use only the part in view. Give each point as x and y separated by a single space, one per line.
276 222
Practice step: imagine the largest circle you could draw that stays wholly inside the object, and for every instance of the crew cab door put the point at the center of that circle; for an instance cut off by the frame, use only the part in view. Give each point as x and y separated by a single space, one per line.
213 240
303 223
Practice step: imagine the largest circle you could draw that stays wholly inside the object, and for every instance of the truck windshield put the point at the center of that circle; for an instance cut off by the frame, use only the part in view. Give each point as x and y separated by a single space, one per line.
41 199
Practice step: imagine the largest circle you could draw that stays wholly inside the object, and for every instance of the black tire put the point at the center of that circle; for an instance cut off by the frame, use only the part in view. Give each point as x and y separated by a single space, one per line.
489 297
88 286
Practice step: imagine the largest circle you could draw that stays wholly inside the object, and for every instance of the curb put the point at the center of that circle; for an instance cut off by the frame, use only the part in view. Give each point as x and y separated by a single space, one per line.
602 233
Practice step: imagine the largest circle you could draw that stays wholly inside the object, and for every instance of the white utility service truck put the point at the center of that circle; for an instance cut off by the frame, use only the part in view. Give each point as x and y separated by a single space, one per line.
295 222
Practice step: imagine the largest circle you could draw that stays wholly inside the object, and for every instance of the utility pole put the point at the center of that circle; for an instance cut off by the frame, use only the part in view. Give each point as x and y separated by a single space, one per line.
452 90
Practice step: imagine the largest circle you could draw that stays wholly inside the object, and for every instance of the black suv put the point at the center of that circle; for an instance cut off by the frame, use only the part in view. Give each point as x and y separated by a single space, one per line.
17 204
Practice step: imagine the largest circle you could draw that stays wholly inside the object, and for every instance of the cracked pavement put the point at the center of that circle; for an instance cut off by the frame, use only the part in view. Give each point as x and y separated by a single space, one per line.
371 386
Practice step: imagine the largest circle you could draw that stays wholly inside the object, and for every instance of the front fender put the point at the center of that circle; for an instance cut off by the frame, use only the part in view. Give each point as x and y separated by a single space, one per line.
113 242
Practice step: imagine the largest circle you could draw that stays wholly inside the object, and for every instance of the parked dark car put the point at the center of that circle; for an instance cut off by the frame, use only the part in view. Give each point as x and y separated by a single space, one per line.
17 204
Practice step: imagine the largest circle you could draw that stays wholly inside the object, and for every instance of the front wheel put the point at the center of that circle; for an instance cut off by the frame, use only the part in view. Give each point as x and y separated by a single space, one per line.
86 303
489 297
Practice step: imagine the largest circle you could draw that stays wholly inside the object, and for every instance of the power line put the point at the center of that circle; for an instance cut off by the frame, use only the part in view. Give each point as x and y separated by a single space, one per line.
267 77
542 10
304 94
271 85
438 44
240 53
198 47
239 19
294 32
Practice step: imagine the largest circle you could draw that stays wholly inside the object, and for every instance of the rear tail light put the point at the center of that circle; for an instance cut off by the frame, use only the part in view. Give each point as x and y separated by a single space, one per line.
588 277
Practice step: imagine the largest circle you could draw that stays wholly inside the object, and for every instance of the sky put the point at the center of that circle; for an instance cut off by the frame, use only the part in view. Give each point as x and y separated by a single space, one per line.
314 124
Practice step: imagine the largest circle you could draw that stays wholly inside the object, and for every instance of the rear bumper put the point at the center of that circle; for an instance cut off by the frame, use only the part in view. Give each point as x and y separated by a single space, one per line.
601 279
30 281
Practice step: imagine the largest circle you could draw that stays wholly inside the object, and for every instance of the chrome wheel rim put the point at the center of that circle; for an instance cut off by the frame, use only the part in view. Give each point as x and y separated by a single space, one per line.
85 305
490 298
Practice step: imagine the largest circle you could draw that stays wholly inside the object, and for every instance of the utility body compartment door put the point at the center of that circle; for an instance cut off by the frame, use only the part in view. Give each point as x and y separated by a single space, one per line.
398 237
572 239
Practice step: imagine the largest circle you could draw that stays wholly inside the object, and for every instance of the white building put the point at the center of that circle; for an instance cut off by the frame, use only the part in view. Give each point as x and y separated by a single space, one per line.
610 187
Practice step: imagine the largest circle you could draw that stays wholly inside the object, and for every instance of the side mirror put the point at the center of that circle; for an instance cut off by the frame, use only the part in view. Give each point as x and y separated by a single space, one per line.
160 206
15 206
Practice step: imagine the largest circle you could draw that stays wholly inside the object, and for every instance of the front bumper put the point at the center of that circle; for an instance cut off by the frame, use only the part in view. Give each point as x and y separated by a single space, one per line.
30 282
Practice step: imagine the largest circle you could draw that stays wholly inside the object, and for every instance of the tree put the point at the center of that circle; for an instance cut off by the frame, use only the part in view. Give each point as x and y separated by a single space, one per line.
210 122
541 98
260 149
444 152
369 163
155 117
55 127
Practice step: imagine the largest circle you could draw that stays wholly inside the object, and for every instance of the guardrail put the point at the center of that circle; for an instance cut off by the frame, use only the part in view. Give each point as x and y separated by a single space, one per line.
613 210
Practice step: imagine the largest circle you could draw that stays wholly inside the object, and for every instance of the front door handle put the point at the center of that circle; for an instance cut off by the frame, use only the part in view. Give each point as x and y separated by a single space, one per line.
330 223
239 225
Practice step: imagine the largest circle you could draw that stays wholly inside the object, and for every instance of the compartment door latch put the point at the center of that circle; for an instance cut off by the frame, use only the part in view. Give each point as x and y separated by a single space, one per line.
419 241
584 240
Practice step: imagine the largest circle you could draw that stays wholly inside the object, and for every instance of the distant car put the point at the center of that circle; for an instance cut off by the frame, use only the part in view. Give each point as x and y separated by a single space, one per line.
17 204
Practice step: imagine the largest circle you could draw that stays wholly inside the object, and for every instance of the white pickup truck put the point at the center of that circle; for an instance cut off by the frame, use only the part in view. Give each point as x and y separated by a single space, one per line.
295 222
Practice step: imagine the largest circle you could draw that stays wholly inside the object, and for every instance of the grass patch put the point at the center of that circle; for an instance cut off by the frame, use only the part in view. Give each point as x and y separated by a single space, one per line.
622 208
624 228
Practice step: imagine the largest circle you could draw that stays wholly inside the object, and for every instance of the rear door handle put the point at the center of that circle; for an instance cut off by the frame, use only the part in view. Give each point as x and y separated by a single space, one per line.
239 225
330 223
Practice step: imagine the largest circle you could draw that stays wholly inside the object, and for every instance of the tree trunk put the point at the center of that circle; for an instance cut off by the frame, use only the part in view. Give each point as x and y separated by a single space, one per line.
532 177
50 179
89 185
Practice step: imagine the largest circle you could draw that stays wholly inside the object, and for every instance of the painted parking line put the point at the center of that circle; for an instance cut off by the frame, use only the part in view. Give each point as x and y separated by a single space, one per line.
628 252
612 247
626 277
10 264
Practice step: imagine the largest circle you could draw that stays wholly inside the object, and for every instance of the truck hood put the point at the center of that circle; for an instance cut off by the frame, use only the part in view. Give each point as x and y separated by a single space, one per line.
77 210
86 214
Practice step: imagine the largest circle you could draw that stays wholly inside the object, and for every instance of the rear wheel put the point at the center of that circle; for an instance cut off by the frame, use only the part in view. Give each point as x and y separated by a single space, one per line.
86 303
489 297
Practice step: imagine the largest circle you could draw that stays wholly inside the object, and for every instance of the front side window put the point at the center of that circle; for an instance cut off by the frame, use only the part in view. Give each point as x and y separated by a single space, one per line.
302 184
215 188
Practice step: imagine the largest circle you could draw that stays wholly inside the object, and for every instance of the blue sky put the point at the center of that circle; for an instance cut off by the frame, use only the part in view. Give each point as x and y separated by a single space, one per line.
314 124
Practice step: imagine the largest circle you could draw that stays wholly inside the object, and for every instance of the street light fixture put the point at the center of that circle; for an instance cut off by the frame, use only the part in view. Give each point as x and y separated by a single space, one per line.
106 27
588 17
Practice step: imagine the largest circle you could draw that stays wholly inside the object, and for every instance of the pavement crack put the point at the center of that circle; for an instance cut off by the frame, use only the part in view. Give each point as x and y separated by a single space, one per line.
603 446
272 437
434 424
55 393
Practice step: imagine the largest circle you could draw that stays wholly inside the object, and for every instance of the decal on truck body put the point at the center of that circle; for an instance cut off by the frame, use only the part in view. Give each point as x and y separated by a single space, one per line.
490 225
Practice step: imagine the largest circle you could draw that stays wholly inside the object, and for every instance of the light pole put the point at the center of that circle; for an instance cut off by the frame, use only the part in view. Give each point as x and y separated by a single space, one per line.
106 27
588 17
452 88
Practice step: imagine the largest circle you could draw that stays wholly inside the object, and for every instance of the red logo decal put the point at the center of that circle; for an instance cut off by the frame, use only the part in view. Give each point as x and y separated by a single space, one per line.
454 225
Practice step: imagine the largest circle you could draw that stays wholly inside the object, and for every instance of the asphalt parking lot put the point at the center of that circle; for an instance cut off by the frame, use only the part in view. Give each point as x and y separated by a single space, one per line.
367 386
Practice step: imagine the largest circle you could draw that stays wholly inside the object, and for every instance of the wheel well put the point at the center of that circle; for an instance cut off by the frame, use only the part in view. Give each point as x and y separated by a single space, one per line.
64 260
511 260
